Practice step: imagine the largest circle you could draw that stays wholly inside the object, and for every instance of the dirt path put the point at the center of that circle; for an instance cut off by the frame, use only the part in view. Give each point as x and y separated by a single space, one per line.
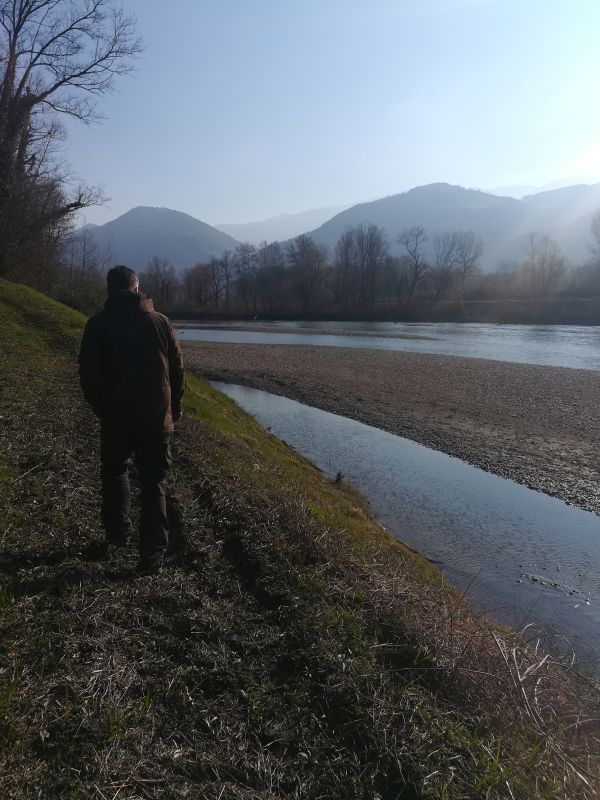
536 425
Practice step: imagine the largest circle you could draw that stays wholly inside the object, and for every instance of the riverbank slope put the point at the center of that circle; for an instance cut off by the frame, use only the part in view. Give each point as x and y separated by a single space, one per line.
537 425
293 650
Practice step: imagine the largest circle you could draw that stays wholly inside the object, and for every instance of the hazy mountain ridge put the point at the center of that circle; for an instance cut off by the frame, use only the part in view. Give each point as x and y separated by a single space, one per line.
576 200
281 227
503 222
144 232
520 192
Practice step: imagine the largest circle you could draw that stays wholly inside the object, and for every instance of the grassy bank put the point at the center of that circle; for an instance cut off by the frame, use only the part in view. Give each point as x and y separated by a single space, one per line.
297 651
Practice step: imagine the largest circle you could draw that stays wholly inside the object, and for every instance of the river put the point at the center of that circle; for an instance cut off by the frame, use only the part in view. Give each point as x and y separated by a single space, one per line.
549 345
521 556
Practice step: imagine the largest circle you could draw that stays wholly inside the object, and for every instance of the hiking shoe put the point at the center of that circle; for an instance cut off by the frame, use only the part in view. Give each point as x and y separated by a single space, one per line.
119 544
99 551
149 566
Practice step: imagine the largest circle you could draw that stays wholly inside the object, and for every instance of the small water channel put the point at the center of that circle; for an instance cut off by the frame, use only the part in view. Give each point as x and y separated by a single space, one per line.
522 556
549 345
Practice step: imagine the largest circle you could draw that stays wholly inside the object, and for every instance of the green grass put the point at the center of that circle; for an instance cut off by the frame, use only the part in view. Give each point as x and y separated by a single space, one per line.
47 315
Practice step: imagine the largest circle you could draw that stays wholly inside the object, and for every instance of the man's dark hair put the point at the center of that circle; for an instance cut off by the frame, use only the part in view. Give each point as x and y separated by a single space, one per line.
121 278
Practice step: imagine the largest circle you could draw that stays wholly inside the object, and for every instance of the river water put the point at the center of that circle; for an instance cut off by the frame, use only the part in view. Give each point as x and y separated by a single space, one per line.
551 345
520 555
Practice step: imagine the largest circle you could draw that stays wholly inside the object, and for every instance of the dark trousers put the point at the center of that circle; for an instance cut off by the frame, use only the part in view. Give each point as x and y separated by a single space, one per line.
153 459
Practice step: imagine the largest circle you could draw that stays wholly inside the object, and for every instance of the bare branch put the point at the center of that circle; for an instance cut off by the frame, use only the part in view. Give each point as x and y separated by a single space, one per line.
413 240
57 57
61 45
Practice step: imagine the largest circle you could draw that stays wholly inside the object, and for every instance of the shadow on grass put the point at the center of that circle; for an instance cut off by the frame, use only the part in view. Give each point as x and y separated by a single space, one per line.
86 567
60 581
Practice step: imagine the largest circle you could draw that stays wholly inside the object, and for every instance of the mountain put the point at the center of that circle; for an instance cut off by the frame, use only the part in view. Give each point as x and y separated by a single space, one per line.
437 207
144 232
513 191
502 222
568 203
567 214
284 226
522 191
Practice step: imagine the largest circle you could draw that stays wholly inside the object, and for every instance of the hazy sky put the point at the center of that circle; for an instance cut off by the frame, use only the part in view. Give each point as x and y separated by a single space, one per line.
243 109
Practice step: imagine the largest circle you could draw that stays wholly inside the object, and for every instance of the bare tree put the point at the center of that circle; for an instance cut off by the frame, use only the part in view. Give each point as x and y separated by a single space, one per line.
227 270
271 275
83 254
215 274
469 248
36 222
210 283
83 262
445 259
392 279
413 240
307 264
545 265
345 267
247 268
57 57
160 280
78 279
196 284
361 252
371 251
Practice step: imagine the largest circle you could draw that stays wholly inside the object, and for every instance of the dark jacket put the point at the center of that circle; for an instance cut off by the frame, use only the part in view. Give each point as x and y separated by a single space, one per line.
131 367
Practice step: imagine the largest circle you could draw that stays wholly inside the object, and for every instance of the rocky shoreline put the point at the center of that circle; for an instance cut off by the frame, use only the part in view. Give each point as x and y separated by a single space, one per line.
536 425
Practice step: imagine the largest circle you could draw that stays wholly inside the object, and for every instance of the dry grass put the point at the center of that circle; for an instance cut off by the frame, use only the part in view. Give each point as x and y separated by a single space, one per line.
295 651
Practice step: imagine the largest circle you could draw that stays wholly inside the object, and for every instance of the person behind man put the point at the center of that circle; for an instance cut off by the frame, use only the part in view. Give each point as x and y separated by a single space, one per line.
131 373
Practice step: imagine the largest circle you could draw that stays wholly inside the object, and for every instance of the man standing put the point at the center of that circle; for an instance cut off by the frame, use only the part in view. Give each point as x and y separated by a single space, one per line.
131 373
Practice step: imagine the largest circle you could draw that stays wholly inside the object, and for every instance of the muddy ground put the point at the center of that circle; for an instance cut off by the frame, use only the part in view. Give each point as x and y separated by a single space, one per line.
537 425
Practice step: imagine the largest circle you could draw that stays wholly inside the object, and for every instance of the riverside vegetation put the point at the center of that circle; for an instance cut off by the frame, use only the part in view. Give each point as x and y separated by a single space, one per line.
295 650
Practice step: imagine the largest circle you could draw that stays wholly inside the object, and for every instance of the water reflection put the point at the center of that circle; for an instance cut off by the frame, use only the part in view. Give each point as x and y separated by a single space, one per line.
525 557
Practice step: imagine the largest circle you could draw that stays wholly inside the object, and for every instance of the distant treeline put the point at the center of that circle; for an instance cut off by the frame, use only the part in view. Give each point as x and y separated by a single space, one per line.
438 278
